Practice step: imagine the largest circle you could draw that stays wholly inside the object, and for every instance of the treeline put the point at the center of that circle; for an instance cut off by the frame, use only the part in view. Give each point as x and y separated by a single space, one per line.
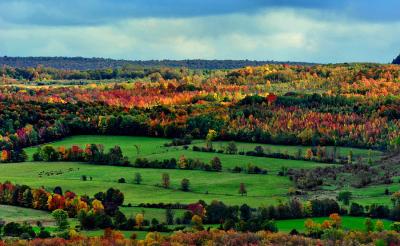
316 153
43 74
81 63
182 163
93 153
41 199
17 155
378 210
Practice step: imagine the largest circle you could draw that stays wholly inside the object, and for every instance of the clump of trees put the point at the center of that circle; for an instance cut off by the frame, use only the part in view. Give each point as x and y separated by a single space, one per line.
93 153
96 212
181 163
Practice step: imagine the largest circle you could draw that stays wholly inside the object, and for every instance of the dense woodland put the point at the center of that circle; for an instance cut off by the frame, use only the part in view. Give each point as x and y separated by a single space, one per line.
278 104
81 63
353 105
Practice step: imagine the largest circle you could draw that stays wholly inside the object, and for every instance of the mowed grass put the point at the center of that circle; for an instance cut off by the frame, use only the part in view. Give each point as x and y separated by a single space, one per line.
348 223
223 186
18 214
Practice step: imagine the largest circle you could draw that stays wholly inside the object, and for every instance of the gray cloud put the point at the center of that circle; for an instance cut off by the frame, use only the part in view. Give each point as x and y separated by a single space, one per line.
99 12
279 34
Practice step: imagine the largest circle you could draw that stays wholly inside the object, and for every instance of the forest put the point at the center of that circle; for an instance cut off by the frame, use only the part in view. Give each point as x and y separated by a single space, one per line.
144 154
81 63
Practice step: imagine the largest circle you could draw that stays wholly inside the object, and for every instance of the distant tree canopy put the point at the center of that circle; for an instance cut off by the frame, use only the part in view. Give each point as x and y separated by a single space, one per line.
81 63
396 60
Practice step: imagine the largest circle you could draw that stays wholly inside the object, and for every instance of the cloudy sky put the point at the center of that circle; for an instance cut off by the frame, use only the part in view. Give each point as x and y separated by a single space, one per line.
325 31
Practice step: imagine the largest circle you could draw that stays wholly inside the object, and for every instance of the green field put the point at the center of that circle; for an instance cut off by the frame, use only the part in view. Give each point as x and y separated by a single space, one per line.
348 223
262 189
18 214
149 147
153 148
208 186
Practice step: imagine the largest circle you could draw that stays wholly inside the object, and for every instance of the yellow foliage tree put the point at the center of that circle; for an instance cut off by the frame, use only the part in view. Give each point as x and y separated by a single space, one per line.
139 219
97 206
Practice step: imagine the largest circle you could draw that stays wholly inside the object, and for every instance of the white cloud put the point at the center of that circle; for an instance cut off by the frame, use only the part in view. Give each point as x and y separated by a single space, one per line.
279 34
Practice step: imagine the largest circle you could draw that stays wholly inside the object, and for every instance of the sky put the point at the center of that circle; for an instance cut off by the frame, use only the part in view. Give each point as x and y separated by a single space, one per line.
323 31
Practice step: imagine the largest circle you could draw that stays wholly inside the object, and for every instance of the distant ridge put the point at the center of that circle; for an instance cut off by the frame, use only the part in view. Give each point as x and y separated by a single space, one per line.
82 63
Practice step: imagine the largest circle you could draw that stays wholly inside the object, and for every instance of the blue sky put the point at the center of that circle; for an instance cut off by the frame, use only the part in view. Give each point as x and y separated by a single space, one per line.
296 30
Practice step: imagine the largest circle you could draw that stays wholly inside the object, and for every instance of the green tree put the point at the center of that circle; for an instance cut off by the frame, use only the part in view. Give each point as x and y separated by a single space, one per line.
165 180
231 148
211 135
350 157
245 212
138 178
345 197
369 225
169 216
185 183
61 218
395 226
27 198
216 164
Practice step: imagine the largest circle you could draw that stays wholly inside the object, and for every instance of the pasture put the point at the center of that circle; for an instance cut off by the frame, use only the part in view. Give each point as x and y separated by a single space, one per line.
18 214
348 223
223 186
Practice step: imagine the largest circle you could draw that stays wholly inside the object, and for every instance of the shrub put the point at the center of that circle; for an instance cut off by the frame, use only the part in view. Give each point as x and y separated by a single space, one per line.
138 178
185 183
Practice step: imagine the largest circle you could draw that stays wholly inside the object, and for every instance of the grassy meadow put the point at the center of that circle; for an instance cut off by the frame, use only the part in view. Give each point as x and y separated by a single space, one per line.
262 189
348 223
18 214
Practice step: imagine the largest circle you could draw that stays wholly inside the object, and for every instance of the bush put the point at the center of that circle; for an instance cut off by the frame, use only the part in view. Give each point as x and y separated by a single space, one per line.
185 183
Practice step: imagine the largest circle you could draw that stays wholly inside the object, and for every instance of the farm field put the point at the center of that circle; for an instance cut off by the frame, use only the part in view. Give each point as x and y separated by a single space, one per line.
262 189
348 223
18 214
153 149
